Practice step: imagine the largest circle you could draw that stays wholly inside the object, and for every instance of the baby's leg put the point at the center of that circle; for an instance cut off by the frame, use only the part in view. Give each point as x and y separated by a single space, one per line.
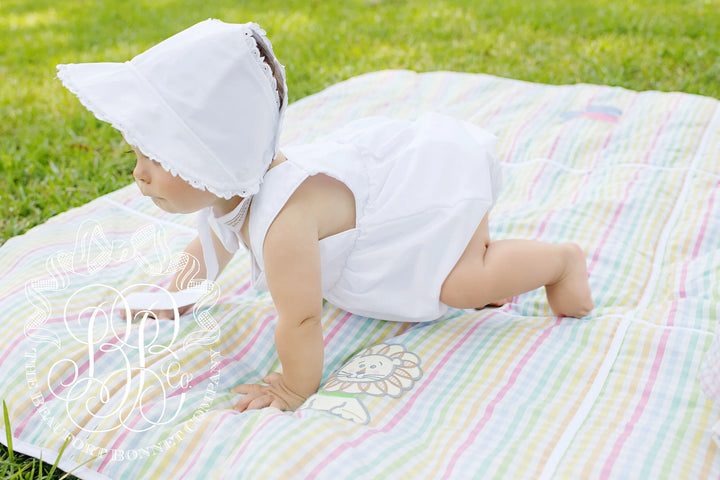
489 271
523 265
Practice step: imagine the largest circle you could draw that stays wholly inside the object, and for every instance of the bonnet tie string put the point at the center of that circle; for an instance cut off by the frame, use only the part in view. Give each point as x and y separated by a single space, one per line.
226 228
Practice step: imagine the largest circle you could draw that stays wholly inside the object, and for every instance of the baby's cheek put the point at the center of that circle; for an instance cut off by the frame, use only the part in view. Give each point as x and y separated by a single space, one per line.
187 199
186 204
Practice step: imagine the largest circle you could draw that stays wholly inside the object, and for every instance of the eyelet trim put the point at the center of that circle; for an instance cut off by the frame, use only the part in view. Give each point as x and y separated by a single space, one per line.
248 190
260 60
66 78
236 218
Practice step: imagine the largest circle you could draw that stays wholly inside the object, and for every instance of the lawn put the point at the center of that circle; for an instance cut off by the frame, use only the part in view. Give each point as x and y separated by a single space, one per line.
54 155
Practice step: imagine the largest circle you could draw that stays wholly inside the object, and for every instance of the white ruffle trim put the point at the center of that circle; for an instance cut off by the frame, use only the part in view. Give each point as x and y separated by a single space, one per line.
66 79
243 191
255 28
259 59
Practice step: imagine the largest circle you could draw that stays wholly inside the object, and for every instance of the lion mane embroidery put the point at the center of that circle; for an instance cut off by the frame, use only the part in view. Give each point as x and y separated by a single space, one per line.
380 370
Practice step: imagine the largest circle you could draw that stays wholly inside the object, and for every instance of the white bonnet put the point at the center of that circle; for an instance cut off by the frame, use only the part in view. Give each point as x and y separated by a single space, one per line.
202 103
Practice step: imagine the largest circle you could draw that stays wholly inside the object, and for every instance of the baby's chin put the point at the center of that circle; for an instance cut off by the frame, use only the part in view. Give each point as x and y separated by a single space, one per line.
169 207
164 205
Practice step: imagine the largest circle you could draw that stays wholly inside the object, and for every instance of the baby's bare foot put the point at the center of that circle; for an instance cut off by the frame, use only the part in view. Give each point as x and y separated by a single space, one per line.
570 296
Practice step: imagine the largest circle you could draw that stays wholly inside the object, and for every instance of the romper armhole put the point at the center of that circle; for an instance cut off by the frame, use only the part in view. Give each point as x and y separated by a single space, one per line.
278 186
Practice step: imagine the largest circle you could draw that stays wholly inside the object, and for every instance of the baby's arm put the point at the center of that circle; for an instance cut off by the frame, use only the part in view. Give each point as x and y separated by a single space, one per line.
292 268
194 269
189 272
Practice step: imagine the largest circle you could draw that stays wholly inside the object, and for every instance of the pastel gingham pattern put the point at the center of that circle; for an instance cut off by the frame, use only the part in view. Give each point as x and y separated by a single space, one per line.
633 177
710 372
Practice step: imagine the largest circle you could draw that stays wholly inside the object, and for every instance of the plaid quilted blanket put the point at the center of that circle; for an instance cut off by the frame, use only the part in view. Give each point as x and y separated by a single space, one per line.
511 392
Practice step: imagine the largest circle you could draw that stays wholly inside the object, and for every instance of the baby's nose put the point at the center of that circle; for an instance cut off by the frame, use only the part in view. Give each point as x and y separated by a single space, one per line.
140 174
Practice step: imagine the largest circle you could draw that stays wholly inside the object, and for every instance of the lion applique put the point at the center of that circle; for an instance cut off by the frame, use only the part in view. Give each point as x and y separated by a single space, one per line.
378 371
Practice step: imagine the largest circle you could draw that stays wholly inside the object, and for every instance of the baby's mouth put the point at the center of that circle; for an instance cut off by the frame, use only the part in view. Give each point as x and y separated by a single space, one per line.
153 197
141 190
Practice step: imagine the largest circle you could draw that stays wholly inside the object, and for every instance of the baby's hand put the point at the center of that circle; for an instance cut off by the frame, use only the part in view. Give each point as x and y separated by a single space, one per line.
137 314
274 394
159 305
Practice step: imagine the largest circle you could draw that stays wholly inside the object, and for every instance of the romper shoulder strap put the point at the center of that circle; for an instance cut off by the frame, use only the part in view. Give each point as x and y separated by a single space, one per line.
279 183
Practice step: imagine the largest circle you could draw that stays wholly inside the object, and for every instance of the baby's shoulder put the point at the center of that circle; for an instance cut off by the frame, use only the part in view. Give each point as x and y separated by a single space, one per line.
320 207
325 201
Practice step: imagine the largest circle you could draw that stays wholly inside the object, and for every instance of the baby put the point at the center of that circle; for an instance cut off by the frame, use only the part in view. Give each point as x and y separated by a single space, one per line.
384 218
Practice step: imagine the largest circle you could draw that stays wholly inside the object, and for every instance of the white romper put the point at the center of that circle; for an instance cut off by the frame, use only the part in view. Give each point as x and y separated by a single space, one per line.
421 189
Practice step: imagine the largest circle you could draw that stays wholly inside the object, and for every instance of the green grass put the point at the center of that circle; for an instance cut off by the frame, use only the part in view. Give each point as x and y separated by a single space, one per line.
54 155
24 467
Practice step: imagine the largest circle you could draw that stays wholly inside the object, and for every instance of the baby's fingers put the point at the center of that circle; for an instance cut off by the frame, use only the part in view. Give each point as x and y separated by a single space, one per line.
242 405
280 404
260 402
137 315
272 378
247 388
164 314
253 400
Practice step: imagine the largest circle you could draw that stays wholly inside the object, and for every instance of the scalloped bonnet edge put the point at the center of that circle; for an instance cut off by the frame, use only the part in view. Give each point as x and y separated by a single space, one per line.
65 77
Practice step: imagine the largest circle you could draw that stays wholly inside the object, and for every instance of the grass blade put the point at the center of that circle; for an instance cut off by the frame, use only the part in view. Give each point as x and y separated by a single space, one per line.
82 464
19 472
8 433
57 460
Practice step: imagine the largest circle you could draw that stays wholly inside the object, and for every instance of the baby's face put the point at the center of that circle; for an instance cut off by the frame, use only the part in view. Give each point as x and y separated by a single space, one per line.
170 193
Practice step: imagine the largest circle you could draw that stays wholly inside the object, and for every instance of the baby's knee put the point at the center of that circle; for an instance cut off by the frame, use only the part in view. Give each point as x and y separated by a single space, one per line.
573 253
459 294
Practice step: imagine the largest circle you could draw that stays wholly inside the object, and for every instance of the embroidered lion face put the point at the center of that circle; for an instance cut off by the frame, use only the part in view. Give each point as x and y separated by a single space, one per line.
379 370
